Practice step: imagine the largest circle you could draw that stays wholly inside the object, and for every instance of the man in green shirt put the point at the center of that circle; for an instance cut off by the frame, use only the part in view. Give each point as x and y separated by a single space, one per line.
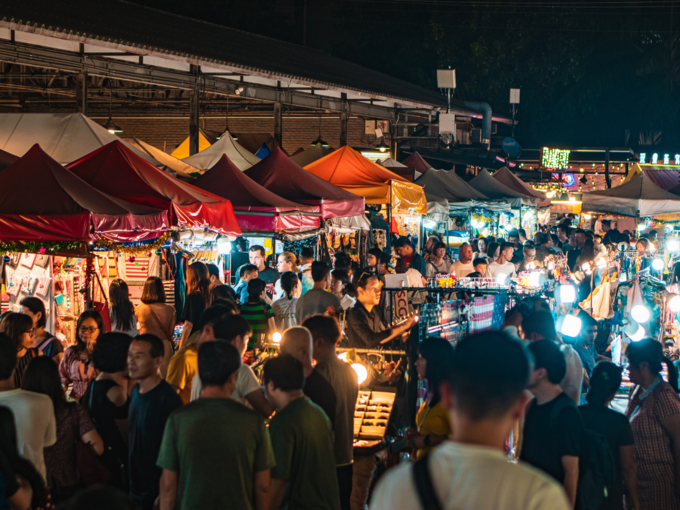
210 466
302 438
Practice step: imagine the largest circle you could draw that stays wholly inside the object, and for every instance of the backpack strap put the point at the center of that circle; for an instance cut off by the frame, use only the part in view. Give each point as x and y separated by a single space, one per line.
424 486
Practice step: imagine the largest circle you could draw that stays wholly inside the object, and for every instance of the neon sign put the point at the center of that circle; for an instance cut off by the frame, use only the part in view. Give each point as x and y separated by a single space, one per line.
659 159
557 159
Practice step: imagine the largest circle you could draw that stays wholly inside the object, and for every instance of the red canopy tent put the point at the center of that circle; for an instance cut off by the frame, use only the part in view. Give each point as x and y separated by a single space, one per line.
116 170
42 201
416 161
282 176
257 209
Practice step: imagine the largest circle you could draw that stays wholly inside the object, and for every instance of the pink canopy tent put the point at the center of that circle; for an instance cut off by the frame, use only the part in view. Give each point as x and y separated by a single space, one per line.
257 209
118 171
42 201
282 176
416 161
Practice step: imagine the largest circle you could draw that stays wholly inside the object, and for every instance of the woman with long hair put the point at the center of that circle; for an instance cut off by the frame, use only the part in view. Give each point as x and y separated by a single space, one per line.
198 298
20 328
286 261
106 401
615 427
284 308
156 317
654 414
48 344
121 309
24 486
257 312
76 366
73 425
432 420
493 251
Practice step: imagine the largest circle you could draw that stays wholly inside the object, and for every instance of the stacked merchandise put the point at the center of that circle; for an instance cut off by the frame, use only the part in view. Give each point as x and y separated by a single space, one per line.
481 314
372 414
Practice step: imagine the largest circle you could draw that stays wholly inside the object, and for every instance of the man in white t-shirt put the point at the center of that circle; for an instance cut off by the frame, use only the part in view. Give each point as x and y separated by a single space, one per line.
33 412
236 330
463 267
502 265
484 396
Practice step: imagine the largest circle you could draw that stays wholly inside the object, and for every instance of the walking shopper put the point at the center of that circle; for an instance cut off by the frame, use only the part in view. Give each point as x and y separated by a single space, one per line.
326 334
615 428
36 426
73 426
297 342
155 317
20 328
484 396
121 309
106 401
152 400
318 300
654 413
463 267
284 308
258 258
287 261
48 344
205 466
502 264
302 439
246 273
553 428
256 311
197 300
434 426
404 249
76 366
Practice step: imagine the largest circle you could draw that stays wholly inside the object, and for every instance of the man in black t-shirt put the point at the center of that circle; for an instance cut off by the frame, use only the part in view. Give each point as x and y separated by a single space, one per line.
553 428
151 402
257 257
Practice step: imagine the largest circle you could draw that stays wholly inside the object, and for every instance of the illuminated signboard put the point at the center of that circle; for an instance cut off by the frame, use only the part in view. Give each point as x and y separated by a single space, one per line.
567 179
557 159
659 159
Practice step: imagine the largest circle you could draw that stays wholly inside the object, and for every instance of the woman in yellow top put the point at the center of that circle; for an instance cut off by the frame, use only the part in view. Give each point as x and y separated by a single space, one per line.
432 420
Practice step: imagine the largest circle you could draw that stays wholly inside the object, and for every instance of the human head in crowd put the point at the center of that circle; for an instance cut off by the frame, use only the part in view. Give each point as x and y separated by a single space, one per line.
642 246
207 322
513 238
401 267
283 378
493 251
88 328
344 265
550 365
606 225
325 333
286 262
490 239
218 366
341 260
429 244
623 238
653 235
306 256
290 284
383 264
580 236
153 291
439 250
339 279
35 309
597 239
256 290
403 247
257 257
111 352
297 342
435 357
588 332
235 330
544 239
522 235
465 252
480 265
485 384
604 383
507 250
221 293
198 280
644 363
373 257
145 356
368 290
214 273
587 253
20 328
248 272
529 252
563 232
121 308
539 325
321 274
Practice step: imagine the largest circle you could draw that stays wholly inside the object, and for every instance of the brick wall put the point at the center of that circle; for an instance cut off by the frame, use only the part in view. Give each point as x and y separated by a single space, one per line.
168 133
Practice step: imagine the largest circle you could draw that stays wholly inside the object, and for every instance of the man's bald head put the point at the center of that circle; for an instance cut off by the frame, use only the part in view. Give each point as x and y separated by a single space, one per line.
297 341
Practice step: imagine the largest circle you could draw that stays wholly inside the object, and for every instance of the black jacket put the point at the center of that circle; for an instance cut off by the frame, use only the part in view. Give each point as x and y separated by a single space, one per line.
365 330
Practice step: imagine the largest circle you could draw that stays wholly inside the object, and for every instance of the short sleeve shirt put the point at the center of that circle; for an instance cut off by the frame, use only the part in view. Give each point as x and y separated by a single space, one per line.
193 308
257 315
182 369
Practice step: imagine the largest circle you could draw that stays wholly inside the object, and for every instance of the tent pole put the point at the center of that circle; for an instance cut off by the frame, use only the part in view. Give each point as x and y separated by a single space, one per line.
388 243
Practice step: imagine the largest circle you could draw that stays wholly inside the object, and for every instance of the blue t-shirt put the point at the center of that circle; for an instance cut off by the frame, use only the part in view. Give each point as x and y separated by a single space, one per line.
588 356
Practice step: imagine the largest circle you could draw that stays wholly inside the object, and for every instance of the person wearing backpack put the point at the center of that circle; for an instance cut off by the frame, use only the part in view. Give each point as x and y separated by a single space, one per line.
615 428
553 429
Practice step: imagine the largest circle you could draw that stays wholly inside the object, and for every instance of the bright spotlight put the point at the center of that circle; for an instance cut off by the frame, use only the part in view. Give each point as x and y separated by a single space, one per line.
362 373
223 246
535 279
571 326
674 304
639 313
474 223
500 279
567 294
276 337
638 335
657 265
673 245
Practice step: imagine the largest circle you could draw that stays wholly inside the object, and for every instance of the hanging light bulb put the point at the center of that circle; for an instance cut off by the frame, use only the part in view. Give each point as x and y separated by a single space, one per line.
640 313
657 264
674 304
567 294
276 337
571 326
362 373
638 335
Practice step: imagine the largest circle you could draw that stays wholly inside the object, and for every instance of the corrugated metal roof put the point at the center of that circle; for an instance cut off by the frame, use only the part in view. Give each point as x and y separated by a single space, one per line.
181 38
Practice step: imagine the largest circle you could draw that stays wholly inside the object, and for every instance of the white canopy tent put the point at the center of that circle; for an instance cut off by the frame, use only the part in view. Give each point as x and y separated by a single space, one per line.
496 190
65 137
207 158
447 184
638 197
165 161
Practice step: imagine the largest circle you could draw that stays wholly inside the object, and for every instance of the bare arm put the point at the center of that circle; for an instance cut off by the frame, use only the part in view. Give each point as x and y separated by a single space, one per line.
57 358
186 333
21 499
94 440
278 490
395 332
570 465
629 474
168 489
672 426
262 495
260 403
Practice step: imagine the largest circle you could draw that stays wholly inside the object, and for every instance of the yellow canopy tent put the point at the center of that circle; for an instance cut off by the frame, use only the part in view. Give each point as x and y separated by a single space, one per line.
182 151
349 170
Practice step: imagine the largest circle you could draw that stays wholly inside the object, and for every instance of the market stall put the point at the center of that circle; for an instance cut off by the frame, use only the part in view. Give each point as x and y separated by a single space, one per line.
308 156
226 144
416 161
165 161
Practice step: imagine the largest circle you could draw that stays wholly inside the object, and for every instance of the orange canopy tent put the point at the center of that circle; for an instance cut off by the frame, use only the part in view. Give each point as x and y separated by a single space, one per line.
349 170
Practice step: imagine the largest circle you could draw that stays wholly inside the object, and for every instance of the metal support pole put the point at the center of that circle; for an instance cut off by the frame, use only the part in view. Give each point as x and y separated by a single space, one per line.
194 112
81 93
278 124
606 170
343 129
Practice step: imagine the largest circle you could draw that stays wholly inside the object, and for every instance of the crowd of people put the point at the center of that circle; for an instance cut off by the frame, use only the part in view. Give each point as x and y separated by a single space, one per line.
131 416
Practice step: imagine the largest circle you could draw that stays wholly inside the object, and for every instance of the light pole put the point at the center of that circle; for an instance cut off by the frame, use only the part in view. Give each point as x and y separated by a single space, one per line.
514 101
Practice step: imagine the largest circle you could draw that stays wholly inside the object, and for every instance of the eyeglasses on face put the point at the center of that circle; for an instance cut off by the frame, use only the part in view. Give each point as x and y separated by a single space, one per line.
91 329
